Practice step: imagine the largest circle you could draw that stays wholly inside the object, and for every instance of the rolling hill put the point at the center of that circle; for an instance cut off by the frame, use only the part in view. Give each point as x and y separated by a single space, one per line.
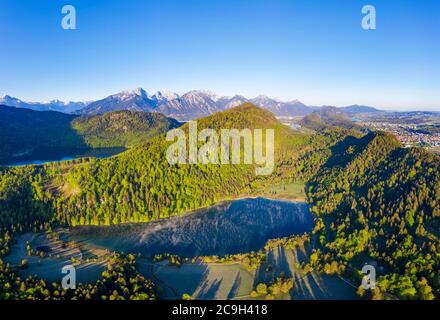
121 128
328 117
24 130
378 203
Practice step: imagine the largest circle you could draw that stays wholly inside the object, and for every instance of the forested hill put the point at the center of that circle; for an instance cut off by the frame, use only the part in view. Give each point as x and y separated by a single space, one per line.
22 130
328 117
140 185
122 128
379 202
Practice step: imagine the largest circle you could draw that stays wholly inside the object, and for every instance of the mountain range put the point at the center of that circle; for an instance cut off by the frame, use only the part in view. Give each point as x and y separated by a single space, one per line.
191 105
53 105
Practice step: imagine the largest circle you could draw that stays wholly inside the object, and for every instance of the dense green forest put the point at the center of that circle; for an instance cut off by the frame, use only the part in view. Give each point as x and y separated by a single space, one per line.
379 203
122 128
140 185
23 130
373 199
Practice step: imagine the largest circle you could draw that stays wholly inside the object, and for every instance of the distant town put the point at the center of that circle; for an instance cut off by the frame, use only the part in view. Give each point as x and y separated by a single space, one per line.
412 129
409 134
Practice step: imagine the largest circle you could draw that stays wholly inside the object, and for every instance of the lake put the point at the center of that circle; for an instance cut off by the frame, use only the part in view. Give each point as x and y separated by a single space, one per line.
45 155
227 228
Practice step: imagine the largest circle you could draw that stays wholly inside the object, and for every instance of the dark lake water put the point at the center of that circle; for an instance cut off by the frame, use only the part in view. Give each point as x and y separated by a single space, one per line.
227 228
45 155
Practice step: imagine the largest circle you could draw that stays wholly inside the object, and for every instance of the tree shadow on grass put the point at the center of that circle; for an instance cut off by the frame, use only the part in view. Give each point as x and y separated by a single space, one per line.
235 286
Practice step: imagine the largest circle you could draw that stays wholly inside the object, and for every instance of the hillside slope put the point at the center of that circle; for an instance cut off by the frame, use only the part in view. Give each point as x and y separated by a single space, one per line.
379 202
24 130
328 117
140 185
122 128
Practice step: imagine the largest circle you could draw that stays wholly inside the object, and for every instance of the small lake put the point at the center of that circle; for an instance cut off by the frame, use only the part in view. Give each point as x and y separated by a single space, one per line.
227 228
45 155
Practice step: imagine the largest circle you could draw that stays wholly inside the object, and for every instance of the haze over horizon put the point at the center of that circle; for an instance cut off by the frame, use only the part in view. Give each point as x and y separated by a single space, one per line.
312 51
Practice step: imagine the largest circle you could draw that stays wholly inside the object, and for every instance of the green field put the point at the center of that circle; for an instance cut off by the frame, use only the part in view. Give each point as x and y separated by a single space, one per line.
288 191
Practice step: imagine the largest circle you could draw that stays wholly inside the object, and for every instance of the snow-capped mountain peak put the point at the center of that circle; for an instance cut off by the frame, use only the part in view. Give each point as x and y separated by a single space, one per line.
190 105
166 95
53 105
295 102
262 97
130 94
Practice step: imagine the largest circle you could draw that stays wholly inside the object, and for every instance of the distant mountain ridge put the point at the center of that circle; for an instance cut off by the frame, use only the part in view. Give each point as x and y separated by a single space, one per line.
190 105
53 105
329 116
358 109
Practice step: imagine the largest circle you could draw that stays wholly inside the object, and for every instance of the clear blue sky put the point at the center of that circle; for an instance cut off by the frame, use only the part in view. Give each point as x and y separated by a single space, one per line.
314 51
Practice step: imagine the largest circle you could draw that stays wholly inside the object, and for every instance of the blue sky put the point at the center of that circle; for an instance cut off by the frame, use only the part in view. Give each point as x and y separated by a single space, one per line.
311 50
